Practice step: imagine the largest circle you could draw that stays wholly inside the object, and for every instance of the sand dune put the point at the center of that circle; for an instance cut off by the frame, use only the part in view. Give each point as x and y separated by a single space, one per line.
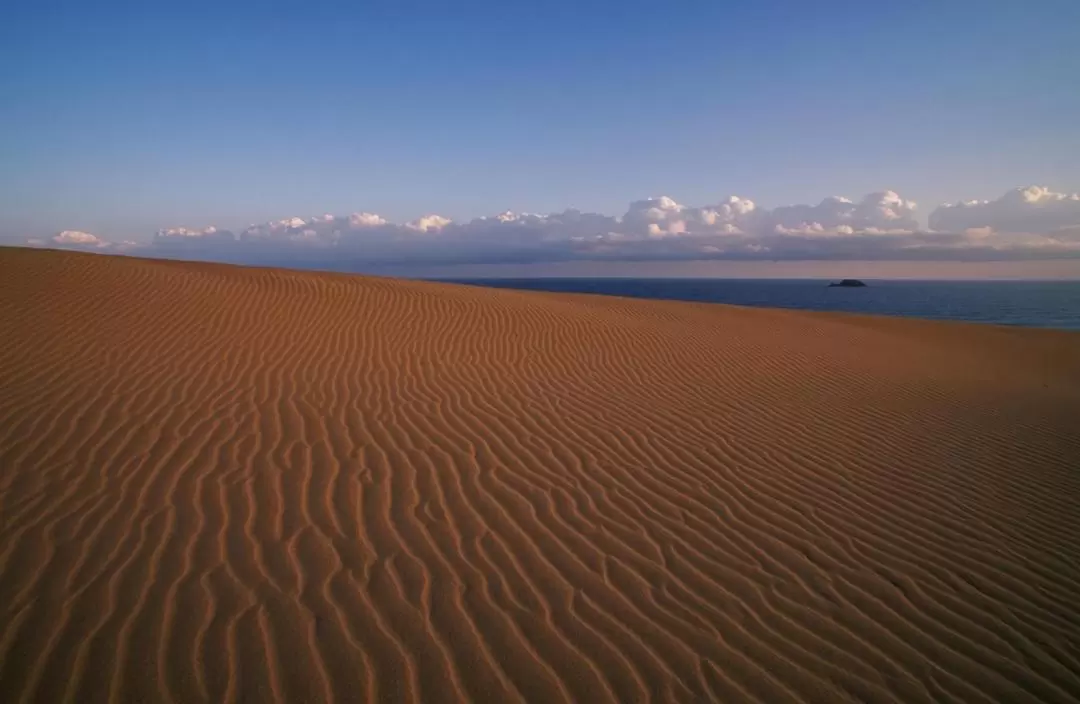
222 484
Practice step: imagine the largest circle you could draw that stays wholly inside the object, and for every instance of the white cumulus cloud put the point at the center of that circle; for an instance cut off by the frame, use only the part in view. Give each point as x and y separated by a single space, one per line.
363 220
1029 222
664 217
186 232
1032 209
428 223
78 238
884 210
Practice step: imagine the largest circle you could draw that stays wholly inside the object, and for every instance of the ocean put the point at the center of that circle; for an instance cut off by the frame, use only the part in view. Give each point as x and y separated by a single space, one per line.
1046 304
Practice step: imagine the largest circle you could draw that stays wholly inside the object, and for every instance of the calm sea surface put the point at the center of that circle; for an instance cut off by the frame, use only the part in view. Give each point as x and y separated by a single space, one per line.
1050 304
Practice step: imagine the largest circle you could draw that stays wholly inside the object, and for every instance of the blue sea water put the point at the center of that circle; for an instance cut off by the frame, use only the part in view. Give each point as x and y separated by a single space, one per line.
1049 304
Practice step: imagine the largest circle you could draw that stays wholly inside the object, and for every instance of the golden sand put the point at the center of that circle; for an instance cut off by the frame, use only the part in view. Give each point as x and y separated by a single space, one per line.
222 483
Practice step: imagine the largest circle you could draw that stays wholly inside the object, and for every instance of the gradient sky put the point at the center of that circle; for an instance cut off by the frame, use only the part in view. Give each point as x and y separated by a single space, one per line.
122 118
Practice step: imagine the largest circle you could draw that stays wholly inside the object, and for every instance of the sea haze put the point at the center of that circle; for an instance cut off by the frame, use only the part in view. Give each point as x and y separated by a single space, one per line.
1048 304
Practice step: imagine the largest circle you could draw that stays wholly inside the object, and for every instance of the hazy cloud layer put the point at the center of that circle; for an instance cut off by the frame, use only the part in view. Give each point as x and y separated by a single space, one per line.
1032 209
1028 223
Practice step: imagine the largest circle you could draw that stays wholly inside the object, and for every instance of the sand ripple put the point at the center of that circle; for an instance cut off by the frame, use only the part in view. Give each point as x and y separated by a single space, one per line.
220 484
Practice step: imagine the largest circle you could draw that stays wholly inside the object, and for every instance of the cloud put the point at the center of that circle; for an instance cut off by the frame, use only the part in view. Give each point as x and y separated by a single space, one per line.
428 223
663 217
78 238
185 232
1067 234
1033 209
1023 224
183 241
883 211
359 220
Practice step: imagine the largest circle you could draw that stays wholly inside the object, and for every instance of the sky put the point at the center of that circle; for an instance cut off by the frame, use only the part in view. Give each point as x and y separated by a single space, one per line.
123 122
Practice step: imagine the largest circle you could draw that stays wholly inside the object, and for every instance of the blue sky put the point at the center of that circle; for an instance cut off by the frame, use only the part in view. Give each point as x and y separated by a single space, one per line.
123 118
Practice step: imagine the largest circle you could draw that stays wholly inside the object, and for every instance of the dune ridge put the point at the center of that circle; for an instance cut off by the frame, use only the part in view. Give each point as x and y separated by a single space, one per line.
222 483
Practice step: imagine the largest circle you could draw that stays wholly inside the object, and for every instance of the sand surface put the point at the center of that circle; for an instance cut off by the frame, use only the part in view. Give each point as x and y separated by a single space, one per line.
222 484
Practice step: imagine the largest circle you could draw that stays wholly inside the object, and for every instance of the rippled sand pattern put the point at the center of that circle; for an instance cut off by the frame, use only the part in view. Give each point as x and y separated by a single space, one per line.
222 484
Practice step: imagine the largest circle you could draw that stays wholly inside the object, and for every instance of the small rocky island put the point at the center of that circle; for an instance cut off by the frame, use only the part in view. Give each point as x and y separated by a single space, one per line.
848 283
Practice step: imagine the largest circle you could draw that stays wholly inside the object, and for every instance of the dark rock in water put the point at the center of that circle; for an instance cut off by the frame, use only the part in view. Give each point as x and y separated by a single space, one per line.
848 283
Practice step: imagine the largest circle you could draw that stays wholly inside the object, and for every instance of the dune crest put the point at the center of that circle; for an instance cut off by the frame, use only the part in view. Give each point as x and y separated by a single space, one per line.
222 483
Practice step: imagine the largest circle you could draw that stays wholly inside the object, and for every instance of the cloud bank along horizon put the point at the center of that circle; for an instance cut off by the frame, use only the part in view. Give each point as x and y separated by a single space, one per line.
1023 224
